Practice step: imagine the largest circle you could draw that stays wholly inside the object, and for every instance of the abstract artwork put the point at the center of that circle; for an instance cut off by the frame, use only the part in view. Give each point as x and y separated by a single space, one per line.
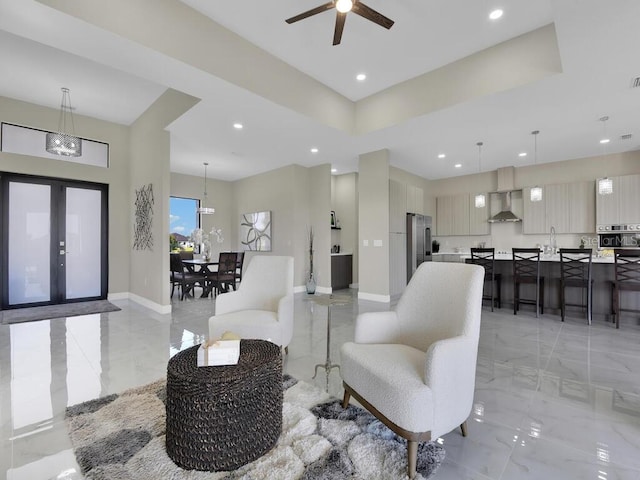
255 231
142 229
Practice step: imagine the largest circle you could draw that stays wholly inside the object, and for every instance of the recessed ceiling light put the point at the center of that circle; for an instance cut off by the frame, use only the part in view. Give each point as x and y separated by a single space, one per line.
522 154
442 155
314 150
458 165
238 126
496 14
334 170
361 77
605 140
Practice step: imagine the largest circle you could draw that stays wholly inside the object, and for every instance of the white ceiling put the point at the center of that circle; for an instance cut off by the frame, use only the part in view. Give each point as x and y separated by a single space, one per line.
116 79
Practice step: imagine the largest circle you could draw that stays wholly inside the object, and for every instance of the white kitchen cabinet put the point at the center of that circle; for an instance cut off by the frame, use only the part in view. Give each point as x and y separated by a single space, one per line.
582 207
415 200
629 199
556 201
460 214
534 213
479 217
397 207
444 216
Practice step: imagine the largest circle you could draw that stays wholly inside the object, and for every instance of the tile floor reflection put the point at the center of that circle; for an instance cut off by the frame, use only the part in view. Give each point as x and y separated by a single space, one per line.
553 400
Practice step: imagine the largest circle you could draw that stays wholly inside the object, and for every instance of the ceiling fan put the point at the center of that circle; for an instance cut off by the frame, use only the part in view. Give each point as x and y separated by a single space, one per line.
342 8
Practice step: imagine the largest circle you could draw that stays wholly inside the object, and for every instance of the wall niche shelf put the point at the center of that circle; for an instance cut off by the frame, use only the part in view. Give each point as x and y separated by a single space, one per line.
336 228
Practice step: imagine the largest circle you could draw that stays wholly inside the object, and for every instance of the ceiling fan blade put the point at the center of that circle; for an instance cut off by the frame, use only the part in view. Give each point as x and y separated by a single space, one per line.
369 13
309 13
337 34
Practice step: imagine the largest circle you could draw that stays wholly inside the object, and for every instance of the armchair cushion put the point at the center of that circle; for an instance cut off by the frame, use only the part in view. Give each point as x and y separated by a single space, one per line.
390 373
262 307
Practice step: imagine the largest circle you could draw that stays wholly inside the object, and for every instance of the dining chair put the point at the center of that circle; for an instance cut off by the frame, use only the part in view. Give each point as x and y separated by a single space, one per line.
225 276
526 269
575 271
627 278
485 257
180 276
239 265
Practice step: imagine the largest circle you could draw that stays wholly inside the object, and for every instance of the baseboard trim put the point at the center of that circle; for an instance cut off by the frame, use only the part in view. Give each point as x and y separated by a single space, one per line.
156 307
374 297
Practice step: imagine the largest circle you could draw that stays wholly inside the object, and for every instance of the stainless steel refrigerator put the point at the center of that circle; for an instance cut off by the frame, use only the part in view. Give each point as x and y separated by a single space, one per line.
418 241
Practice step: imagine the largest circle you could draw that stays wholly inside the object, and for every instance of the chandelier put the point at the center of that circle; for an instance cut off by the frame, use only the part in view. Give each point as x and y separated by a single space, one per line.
61 142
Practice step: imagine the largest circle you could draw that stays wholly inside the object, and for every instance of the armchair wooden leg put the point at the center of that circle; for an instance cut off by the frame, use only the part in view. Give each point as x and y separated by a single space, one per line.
286 350
412 452
345 399
463 427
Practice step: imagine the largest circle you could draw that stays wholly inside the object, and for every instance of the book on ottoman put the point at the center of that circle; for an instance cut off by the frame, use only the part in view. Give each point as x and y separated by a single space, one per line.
218 352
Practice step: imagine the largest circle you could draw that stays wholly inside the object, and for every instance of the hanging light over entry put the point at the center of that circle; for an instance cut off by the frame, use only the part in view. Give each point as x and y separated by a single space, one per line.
61 142
203 209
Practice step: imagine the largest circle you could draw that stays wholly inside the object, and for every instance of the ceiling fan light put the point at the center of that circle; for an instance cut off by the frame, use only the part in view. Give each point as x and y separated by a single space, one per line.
344 6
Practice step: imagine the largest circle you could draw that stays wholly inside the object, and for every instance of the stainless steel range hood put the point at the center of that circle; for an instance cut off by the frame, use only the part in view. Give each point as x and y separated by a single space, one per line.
506 182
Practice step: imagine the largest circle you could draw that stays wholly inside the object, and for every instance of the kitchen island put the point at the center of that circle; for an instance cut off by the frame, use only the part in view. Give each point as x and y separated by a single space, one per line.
602 273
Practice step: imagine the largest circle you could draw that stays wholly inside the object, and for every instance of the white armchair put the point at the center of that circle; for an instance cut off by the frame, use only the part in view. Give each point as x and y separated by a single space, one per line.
262 307
414 368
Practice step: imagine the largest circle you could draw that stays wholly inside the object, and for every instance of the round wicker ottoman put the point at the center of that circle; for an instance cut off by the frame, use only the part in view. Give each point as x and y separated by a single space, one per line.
220 418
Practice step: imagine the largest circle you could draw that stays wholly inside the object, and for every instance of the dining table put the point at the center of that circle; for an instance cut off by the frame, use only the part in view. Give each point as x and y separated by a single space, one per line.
201 265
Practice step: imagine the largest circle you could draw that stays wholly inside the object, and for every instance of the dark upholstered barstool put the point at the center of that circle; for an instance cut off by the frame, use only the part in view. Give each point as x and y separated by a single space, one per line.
485 257
526 269
575 271
627 277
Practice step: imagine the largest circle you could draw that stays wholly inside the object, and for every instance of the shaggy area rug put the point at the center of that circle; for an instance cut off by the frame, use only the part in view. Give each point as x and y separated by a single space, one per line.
122 437
30 314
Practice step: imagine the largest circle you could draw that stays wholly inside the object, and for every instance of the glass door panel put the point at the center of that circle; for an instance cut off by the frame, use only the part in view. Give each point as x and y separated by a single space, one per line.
29 237
83 235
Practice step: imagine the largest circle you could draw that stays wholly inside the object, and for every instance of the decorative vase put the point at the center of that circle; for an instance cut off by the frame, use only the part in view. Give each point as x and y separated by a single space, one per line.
311 285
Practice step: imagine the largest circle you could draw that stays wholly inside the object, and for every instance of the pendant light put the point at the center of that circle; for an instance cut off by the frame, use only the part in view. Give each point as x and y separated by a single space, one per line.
605 185
204 210
480 200
536 192
61 142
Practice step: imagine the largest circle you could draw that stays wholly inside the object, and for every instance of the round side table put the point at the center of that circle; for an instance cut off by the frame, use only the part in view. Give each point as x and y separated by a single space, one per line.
220 418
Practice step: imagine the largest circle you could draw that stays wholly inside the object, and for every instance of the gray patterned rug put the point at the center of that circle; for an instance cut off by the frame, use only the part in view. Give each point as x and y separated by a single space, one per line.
30 314
121 437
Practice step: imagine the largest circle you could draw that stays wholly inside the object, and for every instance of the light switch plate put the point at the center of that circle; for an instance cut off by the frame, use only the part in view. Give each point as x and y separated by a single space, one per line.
365 243
377 243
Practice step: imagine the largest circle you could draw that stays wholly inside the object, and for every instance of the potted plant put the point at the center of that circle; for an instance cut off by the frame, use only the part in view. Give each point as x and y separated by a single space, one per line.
311 281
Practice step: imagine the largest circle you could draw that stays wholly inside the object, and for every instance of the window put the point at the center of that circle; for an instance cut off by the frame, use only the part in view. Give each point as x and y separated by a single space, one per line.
183 220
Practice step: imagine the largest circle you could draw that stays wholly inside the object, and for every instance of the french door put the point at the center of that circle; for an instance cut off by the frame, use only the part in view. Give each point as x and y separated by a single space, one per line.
54 241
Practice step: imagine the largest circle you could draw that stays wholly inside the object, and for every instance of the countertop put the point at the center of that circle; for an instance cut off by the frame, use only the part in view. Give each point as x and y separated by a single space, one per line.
341 253
543 258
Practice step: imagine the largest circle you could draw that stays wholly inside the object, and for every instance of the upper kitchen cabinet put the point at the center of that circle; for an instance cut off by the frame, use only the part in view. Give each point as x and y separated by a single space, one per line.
629 198
568 207
452 215
415 200
534 213
582 207
557 206
479 216
620 206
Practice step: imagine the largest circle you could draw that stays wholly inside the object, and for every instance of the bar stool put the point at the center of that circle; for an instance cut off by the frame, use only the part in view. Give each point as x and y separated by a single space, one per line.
575 271
485 257
526 269
627 278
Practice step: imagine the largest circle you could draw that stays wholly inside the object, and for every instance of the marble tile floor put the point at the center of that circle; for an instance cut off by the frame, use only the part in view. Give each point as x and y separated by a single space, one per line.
553 400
